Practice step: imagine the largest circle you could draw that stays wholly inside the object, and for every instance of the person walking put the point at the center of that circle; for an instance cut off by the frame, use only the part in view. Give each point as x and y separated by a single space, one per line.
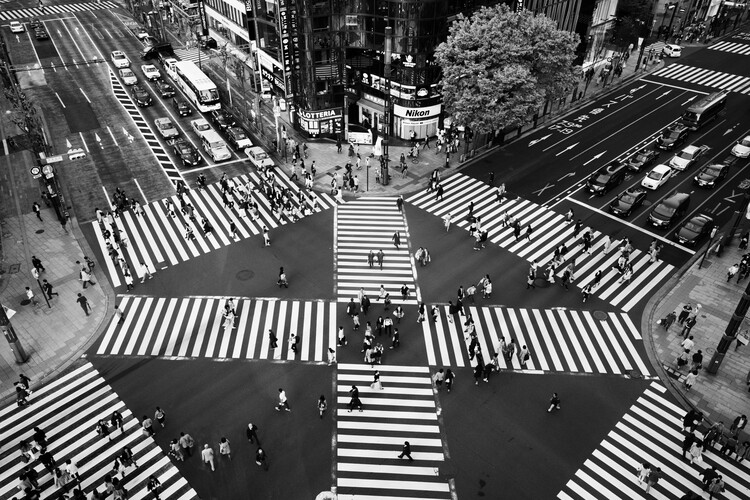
354 402
395 340
438 378
225 449
207 456
716 486
523 356
272 339
160 417
37 264
84 303
400 203
447 221
186 443
331 356
116 421
103 429
380 255
406 451
146 272
653 477
30 295
261 459
371 259
148 426
322 405
47 288
266 237
449 379
396 240
738 424
643 471
685 313
153 486
283 402
690 379
554 402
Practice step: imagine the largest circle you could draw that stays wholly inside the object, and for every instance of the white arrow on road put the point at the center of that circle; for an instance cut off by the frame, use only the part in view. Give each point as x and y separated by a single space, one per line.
729 130
99 140
688 100
569 174
665 93
68 144
636 89
567 149
722 211
732 196
537 141
595 157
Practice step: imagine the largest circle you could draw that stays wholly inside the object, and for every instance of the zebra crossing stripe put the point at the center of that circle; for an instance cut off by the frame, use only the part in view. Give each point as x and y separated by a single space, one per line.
650 431
709 78
736 48
15 14
67 409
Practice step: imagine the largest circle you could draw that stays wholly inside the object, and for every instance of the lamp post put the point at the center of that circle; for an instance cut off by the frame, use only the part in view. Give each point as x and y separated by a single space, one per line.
740 212
710 242
730 334
387 111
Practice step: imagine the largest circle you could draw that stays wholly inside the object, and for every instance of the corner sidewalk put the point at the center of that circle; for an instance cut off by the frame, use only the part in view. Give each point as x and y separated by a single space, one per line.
51 337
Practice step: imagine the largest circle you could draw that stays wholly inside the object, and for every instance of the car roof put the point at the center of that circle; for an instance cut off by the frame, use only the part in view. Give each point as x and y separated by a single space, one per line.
118 53
661 168
163 119
15 22
199 120
691 149
673 46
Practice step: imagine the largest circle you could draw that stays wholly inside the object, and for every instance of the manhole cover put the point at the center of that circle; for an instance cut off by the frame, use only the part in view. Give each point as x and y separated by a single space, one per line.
39 231
14 268
25 302
541 282
635 374
600 315
245 275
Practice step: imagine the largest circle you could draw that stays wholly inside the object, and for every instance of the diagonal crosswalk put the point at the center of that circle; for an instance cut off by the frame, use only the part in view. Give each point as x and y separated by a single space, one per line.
651 431
733 47
558 340
369 224
550 231
196 328
9 15
67 410
191 55
369 442
158 239
706 77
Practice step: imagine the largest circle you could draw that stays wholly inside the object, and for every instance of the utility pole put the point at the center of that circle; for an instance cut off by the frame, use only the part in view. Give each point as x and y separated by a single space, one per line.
387 111
11 337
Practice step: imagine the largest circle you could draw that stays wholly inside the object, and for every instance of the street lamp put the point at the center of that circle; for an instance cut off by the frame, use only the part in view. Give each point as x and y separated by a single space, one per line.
710 242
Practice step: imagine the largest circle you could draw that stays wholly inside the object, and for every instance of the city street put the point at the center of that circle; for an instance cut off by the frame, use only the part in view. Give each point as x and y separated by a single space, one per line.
209 322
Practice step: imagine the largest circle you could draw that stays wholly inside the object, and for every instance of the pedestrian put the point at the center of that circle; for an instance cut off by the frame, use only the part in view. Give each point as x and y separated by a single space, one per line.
37 211
577 228
688 343
30 295
653 477
447 221
554 402
528 231
146 272
371 259
266 237
153 485
738 424
732 271
261 459
283 402
530 277
696 452
438 378
117 421
186 443
322 405
687 442
606 245
47 287
400 203
643 471
342 337
127 457
282 279
354 402
449 378
717 486
224 448
686 310
160 416
395 342
207 456
376 383
148 426
128 280
689 324
406 451
103 429
697 360
37 264
586 292
331 356
396 240
293 343
523 356
380 256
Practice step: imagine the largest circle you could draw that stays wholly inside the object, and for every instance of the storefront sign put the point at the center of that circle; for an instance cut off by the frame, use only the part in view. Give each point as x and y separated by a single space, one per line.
323 114
360 137
424 112
289 41
275 80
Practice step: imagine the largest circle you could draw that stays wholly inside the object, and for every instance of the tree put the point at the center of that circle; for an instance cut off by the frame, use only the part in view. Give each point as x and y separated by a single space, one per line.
500 66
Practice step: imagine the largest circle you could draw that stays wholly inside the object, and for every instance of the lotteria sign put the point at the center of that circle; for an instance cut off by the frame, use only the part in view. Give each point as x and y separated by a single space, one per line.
425 112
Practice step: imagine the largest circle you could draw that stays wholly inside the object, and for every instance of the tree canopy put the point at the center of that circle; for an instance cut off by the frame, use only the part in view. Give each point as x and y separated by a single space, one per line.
499 67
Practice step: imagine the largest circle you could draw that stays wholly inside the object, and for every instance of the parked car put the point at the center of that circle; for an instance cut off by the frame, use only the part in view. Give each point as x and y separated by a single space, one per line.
710 175
657 177
687 157
150 72
672 50
222 118
181 106
238 138
186 152
672 136
606 178
141 97
128 77
642 159
627 201
16 27
166 128
165 89
742 149
670 210
119 59
695 229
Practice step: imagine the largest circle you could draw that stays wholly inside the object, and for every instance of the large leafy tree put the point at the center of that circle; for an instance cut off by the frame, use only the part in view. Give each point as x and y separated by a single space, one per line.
499 67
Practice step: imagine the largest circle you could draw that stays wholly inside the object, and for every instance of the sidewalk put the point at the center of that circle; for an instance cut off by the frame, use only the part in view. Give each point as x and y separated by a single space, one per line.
722 396
52 337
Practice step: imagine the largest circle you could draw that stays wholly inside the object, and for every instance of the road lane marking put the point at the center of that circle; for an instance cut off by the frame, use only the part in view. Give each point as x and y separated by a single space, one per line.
676 87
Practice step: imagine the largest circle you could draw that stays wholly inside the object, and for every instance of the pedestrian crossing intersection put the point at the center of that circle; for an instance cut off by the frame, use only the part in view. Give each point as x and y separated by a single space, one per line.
369 224
549 231
158 239
196 328
10 15
190 55
67 410
733 47
651 431
558 340
369 442
705 77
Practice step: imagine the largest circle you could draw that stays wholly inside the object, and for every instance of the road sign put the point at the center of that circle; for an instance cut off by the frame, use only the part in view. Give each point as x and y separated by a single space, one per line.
36 172
49 172
54 159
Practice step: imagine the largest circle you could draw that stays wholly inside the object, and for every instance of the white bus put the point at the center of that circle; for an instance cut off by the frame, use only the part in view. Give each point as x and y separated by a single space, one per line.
197 86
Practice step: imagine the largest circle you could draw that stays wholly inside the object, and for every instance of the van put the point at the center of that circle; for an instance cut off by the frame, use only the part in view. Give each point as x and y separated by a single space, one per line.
215 146
670 210
152 51
607 177
705 110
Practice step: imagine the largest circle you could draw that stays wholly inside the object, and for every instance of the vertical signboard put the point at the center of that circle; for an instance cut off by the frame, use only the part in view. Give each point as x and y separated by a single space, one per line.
289 34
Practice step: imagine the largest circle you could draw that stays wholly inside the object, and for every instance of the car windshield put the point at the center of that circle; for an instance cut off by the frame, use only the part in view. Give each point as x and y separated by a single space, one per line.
685 155
745 142
713 170
202 126
670 134
655 175
694 227
642 157
127 72
209 95
239 134
627 198
165 125
664 211
260 155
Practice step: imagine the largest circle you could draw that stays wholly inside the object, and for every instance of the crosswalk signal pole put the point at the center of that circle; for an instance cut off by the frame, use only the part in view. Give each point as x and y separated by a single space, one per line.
730 334
11 337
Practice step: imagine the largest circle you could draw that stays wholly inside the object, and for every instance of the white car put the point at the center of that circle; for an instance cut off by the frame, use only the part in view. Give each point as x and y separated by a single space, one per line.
16 27
258 157
742 149
200 125
119 59
687 157
657 177
150 72
672 50
128 77
166 128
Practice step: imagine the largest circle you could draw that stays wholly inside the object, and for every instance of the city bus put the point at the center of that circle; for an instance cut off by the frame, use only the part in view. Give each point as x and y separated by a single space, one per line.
705 110
196 85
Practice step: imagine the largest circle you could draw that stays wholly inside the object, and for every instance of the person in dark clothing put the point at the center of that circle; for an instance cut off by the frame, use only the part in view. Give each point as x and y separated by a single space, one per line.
406 451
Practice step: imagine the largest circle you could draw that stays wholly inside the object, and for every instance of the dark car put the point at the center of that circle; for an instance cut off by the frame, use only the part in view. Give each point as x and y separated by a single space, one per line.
41 34
182 107
606 178
710 175
165 89
207 42
670 210
35 23
642 159
186 152
238 138
223 119
152 51
627 201
141 97
695 229
672 136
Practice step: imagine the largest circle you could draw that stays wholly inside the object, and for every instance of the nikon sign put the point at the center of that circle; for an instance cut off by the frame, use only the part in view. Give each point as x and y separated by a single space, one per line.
425 112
